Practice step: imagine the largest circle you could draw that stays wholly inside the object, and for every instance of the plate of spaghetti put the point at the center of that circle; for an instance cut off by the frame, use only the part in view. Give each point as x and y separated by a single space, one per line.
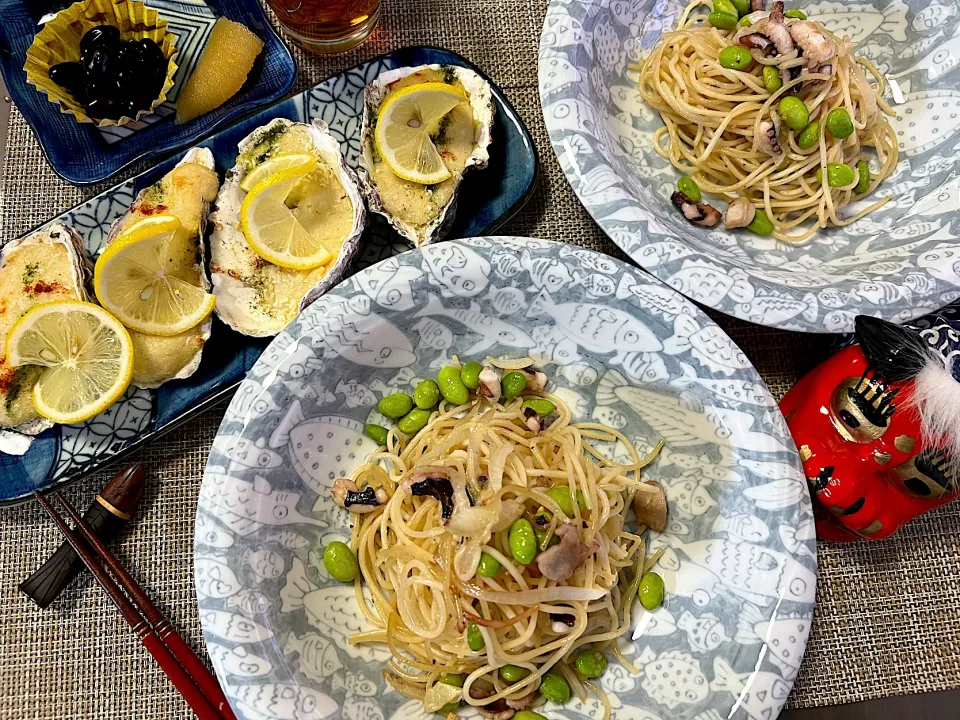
459 486
789 163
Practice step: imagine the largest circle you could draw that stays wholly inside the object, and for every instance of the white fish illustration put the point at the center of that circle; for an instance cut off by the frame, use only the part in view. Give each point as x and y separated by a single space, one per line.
251 603
943 262
776 495
238 661
706 466
210 533
305 391
247 454
919 283
457 270
755 691
590 259
663 251
351 331
388 284
933 16
595 285
945 200
798 539
707 283
505 300
645 367
579 374
597 328
939 60
362 709
554 347
741 391
246 507
355 684
934 165
784 635
655 623
859 21
704 633
689 494
681 426
546 273
318 656
927 119
434 334
774 308
660 300
265 564
252 401
742 525
282 701
287 538
356 394
672 678
617 679
506 264
917 229
609 416
233 627
579 407
321 448
709 345
492 330
214 579
556 73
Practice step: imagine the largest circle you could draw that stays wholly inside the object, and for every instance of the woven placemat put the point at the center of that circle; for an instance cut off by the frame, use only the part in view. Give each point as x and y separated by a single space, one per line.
888 614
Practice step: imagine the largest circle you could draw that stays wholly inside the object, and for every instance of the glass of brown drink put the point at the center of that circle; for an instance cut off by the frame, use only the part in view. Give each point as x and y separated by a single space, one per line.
327 26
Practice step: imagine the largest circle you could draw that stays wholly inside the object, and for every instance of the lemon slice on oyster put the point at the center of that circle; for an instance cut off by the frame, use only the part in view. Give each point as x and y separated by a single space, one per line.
137 278
86 354
405 124
274 166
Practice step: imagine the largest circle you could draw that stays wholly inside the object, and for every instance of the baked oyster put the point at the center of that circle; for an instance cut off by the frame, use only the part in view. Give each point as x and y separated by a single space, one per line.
48 265
254 296
186 193
423 213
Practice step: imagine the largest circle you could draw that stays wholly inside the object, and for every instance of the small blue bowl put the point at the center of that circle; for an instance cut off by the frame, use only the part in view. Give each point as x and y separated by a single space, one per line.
82 153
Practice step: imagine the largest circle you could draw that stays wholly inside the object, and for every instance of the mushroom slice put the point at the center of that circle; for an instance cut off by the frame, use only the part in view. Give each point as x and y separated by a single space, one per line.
651 506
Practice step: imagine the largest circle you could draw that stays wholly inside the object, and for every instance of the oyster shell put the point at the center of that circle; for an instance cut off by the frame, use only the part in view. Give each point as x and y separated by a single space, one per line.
423 214
50 264
186 192
256 297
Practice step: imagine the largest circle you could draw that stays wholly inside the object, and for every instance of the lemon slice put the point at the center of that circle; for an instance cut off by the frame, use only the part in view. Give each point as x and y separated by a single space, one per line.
274 166
136 279
272 228
405 123
86 353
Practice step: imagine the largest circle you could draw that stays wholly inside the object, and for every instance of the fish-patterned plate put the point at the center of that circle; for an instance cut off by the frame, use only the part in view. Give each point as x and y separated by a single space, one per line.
899 263
620 348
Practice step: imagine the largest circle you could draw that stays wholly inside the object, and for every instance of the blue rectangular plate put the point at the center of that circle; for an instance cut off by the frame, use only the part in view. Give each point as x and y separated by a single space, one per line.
489 197
83 154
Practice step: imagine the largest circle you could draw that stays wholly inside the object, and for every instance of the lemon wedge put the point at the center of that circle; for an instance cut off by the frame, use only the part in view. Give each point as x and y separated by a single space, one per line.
405 123
273 229
86 353
274 166
137 278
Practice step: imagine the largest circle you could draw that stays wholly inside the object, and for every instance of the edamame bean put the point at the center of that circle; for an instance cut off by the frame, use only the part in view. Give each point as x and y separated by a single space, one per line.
474 638
513 673
810 136
396 405
591 663
745 21
426 395
839 123
688 186
863 180
414 421
512 384
554 688
771 78
838 174
761 224
456 681
489 566
541 406
735 57
528 715
799 14
561 496
742 6
340 561
794 113
378 433
451 386
470 374
651 590
724 21
726 7
522 541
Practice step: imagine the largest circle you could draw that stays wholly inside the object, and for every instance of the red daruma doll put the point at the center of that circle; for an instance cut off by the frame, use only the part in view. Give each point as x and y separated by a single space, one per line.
878 428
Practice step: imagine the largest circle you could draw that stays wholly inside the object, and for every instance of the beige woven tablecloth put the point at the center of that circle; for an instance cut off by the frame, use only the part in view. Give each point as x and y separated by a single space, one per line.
888 614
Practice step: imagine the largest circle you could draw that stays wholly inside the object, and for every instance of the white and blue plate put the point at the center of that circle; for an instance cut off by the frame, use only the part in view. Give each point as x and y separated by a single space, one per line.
620 348
899 263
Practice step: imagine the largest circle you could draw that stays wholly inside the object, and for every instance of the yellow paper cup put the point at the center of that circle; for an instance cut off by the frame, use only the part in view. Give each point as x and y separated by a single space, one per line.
59 41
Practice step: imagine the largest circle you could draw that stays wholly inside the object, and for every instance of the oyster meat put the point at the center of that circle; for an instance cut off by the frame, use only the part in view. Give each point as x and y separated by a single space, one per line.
186 193
256 297
424 213
46 266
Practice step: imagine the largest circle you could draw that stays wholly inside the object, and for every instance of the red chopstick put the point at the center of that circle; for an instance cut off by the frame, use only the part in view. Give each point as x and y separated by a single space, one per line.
188 686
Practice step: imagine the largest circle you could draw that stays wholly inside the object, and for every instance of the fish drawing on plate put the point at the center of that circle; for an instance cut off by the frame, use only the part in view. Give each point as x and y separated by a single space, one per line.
434 335
388 284
590 259
704 633
492 330
361 709
926 120
321 449
610 417
943 263
654 298
353 332
239 661
739 391
356 394
709 345
233 627
354 684
859 21
799 539
579 407
546 273
332 610
656 623
756 691
933 16
282 701
595 285
556 73
645 367
709 284
553 347
506 264
779 306
784 636
689 494
252 402
288 539
251 603
777 495
743 526
265 563
318 656
617 679
672 678
505 300
211 534
939 60
246 507
597 328
454 269
703 464
246 454
214 579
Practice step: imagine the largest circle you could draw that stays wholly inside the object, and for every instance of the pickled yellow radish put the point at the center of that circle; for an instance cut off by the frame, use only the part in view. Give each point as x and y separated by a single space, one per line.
223 68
